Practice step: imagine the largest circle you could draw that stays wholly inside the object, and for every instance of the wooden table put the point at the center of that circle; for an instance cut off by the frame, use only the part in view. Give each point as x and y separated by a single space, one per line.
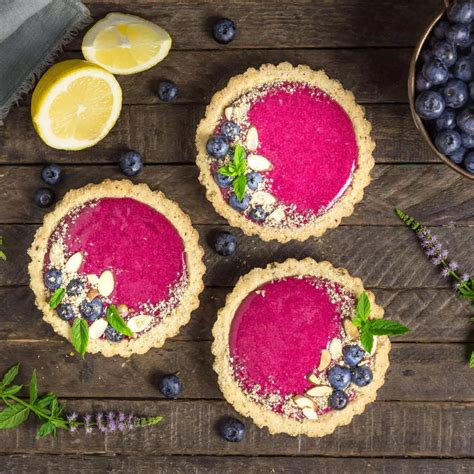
423 418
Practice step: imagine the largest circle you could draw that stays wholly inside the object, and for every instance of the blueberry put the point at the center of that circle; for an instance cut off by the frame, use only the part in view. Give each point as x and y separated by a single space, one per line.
463 69
467 140
224 30
458 34
253 180
53 279
465 120
445 52
239 204
339 377
471 90
455 94
458 156
74 287
223 180
469 162
421 83
426 55
131 163
225 244
435 71
44 197
91 310
448 141
429 105
230 130
258 214
361 376
439 31
113 335
447 120
65 312
167 91
170 386
461 11
232 430
338 400
353 354
51 174
217 146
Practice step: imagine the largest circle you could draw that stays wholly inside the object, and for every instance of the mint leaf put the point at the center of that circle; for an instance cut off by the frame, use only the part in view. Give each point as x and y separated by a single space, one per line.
80 335
239 184
10 376
56 298
227 170
385 327
13 416
12 390
45 400
363 307
471 361
239 160
366 339
33 387
46 429
117 322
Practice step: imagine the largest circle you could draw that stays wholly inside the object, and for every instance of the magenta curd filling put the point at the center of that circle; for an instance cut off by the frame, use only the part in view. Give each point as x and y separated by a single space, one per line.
139 245
310 141
278 333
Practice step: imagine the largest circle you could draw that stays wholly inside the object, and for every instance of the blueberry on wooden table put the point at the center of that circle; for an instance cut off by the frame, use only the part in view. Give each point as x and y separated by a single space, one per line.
131 163
51 174
225 244
44 197
167 91
170 386
224 30
232 430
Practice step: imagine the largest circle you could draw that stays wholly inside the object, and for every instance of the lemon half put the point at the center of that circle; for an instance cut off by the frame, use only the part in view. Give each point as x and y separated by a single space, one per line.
126 44
75 105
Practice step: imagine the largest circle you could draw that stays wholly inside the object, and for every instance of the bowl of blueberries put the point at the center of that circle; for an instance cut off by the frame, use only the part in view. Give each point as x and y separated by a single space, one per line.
441 86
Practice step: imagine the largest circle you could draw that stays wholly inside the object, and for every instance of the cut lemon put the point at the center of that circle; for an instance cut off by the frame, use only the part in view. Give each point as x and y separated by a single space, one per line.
75 104
126 44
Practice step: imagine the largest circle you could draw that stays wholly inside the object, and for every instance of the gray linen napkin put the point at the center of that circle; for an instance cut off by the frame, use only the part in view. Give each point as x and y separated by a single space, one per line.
32 34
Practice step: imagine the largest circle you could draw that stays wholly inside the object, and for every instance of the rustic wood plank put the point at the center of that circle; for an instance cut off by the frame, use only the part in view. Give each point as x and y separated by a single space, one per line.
46 463
189 428
165 134
414 371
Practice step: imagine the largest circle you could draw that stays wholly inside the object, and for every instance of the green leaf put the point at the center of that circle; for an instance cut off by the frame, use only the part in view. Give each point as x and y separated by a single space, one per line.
12 390
366 339
116 321
471 361
56 298
227 170
33 387
10 376
2 253
363 307
239 160
80 335
13 416
385 327
46 429
45 400
239 184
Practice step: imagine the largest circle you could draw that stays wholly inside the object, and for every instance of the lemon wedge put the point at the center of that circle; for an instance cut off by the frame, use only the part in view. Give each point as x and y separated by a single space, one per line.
75 105
126 44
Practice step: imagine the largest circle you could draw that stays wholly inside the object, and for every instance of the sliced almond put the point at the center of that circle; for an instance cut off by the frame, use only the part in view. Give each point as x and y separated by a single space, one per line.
228 112
122 309
74 263
351 329
364 362
258 163
321 391
93 293
310 413
106 283
251 140
335 348
139 323
277 215
93 279
325 360
264 199
97 328
314 379
374 346
303 402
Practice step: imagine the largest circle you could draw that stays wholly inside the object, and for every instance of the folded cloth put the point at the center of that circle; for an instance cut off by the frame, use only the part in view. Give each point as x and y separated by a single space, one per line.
32 34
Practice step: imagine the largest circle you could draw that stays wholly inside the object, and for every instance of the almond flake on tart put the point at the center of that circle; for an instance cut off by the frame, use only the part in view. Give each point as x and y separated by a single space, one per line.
121 244
272 347
305 136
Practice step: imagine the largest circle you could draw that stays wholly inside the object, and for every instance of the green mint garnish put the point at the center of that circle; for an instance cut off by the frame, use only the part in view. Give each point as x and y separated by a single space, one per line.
56 298
237 168
2 253
117 322
80 335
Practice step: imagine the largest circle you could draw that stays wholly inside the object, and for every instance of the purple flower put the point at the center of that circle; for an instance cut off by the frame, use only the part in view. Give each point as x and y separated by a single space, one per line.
430 252
453 265
87 424
434 239
445 272
130 424
464 277
444 253
436 260
121 422
111 421
100 422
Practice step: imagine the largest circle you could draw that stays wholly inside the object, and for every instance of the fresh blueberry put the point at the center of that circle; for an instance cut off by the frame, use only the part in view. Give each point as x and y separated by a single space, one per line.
232 430
455 94
361 376
230 130
421 83
471 90
439 31
239 204
225 244
467 140
53 279
339 377
167 91
458 156
353 354
338 400
217 146
224 30
253 180
461 11
258 214
429 105
91 310
465 120
170 386
463 69
445 52
74 287
469 162
44 197
65 312
447 120
131 163
458 34
113 335
51 174
426 55
448 141
223 180
435 71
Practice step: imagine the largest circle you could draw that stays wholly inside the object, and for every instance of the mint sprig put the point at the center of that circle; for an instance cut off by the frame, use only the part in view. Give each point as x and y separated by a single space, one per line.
56 298
116 321
237 168
80 335
373 327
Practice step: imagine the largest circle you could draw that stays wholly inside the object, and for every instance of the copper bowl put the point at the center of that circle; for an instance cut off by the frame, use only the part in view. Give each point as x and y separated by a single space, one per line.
411 97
